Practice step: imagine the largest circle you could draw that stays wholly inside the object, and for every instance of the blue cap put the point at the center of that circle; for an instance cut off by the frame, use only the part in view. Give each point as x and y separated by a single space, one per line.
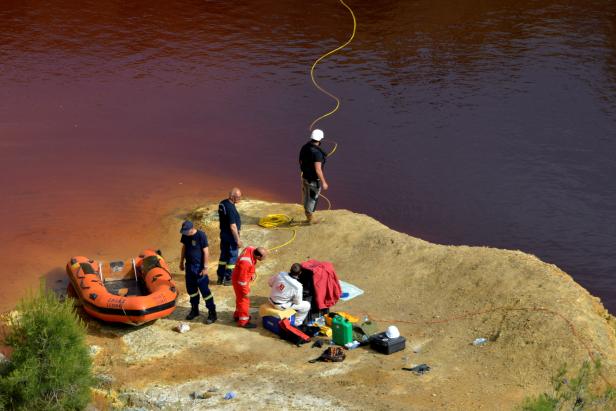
186 227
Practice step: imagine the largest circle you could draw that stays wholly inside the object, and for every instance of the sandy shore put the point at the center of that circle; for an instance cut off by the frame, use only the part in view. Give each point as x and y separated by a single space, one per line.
441 298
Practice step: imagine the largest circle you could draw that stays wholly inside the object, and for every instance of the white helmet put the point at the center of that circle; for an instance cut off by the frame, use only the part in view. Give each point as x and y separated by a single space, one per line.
392 332
317 135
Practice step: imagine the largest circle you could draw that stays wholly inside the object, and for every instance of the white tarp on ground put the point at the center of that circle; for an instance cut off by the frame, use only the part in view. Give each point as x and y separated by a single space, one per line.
349 291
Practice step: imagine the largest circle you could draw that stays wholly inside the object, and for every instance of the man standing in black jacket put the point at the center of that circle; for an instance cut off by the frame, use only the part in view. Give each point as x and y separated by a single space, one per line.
230 242
195 253
312 161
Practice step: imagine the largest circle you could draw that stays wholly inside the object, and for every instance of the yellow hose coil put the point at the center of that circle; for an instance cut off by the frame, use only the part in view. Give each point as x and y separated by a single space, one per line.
274 221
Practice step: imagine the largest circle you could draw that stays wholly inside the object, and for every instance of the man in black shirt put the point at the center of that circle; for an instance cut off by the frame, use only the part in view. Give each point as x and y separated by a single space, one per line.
195 253
230 242
312 161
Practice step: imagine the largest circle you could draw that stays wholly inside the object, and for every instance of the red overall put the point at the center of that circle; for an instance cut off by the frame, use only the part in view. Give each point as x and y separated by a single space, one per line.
243 274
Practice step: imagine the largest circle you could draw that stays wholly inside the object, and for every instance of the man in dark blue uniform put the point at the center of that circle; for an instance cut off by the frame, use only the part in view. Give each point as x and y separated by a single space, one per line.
195 253
312 162
230 242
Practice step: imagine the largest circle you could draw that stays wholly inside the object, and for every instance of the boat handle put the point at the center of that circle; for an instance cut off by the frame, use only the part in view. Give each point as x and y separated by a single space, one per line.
134 269
100 271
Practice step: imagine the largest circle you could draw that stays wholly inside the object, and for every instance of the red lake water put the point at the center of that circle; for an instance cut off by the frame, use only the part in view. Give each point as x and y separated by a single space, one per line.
468 122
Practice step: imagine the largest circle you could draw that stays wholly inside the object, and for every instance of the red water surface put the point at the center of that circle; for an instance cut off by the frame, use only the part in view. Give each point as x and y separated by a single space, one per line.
77 182
93 211
481 123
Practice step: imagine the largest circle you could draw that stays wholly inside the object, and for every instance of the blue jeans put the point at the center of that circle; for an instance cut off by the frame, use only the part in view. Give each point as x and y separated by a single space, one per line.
195 283
228 258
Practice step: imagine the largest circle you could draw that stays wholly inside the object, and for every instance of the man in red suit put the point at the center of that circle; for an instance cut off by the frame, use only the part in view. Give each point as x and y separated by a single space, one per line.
243 274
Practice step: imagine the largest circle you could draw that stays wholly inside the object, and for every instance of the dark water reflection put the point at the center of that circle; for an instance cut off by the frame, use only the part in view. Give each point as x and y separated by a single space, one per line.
472 122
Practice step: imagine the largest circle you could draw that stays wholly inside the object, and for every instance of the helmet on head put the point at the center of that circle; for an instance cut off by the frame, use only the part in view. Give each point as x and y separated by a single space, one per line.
317 135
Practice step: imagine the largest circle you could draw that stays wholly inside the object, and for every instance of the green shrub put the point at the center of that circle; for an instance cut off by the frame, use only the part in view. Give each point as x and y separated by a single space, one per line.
574 394
3 401
50 367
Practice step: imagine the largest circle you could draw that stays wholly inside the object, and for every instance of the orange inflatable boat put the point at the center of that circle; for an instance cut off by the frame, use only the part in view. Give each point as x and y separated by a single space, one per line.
134 292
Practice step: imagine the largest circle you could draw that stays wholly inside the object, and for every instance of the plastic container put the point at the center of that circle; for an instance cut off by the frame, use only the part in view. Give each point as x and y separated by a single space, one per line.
271 323
480 341
330 316
182 327
271 317
342 330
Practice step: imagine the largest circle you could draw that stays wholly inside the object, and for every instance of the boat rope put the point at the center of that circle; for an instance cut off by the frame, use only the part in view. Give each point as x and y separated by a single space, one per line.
126 315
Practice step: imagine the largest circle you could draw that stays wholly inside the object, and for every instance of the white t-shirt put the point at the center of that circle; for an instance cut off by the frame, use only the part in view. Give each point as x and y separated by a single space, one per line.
285 289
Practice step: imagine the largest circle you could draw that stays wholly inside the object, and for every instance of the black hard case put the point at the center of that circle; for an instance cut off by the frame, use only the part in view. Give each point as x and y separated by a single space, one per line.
383 344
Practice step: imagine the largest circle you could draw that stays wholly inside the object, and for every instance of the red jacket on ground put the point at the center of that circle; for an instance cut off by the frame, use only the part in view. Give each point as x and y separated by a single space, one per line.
326 285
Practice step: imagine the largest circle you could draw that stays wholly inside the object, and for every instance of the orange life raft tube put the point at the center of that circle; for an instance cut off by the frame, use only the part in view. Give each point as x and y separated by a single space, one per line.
153 295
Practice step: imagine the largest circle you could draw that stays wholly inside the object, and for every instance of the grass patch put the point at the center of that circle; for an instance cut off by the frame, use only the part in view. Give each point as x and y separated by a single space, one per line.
581 392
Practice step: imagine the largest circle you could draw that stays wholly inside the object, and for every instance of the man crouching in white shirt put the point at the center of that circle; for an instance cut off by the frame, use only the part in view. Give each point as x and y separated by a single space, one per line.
287 293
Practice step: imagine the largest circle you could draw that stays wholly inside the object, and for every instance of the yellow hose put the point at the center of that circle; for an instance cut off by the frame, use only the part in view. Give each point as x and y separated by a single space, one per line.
329 53
320 88
288 242
275 221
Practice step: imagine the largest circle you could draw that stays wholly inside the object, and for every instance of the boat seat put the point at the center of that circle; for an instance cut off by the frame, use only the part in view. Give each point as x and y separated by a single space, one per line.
87 268
123 288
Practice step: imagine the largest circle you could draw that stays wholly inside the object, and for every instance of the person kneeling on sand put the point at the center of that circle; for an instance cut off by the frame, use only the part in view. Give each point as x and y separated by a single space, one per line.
287 293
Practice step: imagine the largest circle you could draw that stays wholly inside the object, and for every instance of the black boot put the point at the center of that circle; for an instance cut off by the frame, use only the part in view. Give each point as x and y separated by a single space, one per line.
211 317
192 314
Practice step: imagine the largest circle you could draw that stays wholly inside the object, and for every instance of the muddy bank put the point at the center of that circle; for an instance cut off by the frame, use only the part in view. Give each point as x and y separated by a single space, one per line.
534 315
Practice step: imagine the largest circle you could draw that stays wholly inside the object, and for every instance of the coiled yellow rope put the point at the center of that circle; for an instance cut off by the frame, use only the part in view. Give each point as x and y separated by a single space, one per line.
275 221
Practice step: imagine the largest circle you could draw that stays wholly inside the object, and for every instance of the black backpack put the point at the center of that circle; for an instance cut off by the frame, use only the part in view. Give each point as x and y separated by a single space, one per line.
331 354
